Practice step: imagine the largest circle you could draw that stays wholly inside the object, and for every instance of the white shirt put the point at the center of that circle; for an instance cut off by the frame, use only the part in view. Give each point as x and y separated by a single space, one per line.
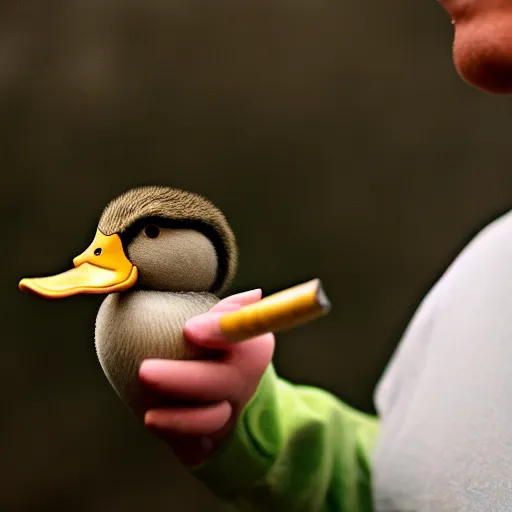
445 400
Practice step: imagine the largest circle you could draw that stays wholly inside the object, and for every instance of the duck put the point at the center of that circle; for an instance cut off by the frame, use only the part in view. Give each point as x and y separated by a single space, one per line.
161 256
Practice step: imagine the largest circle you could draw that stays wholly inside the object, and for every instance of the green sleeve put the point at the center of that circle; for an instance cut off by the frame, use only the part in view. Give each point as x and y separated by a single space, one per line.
295 448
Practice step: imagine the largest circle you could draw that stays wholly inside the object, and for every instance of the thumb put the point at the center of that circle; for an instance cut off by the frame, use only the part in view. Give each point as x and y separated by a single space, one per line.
204 330
237 301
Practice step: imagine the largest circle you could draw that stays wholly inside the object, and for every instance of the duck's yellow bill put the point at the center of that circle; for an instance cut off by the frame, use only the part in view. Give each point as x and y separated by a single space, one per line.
102 268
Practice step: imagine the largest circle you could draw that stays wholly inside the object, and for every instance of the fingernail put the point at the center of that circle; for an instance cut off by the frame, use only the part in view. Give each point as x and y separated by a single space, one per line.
250 295
149 420
203 326
197 322
149 367
150 363
145 366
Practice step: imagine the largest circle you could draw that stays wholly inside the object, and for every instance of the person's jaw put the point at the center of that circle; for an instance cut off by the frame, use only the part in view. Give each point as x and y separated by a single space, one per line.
482 48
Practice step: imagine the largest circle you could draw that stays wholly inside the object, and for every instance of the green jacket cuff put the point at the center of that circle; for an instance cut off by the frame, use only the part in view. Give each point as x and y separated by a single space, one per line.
250 451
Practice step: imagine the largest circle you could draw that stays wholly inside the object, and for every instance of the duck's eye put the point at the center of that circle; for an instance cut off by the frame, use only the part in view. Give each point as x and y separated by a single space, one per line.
97 251
152 231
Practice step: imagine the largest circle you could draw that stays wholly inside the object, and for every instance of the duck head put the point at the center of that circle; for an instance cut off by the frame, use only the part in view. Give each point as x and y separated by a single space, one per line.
155 238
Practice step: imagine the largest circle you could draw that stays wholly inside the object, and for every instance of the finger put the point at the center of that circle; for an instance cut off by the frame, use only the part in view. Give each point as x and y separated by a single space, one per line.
252 357
189 421
237 301
204 330
200 381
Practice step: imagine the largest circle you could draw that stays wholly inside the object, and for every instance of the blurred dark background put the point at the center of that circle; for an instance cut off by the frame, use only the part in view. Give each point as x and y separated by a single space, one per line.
335 135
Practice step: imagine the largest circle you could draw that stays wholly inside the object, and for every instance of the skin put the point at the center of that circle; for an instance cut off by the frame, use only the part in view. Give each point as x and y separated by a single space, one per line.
208 396
482 47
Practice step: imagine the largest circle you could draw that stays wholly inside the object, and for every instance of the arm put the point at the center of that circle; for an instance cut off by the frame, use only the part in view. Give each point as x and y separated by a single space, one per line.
294 448
257 441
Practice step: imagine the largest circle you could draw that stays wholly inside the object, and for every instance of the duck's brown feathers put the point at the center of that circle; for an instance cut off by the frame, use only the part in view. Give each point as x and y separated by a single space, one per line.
175 205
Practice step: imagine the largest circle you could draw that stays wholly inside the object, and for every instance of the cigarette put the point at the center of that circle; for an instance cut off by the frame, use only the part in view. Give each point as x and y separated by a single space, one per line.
283 310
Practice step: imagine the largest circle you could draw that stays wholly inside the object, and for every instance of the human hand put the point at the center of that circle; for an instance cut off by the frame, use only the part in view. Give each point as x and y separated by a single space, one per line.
209 395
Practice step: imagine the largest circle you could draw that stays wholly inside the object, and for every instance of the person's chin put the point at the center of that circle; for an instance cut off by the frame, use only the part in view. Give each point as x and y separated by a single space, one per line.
482 48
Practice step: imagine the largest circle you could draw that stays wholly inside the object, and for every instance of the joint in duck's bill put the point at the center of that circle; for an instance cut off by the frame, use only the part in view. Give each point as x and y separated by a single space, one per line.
283 310
102 268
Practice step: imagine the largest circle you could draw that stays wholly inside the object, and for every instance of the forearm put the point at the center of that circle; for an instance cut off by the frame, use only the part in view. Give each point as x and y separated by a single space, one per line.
295 448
